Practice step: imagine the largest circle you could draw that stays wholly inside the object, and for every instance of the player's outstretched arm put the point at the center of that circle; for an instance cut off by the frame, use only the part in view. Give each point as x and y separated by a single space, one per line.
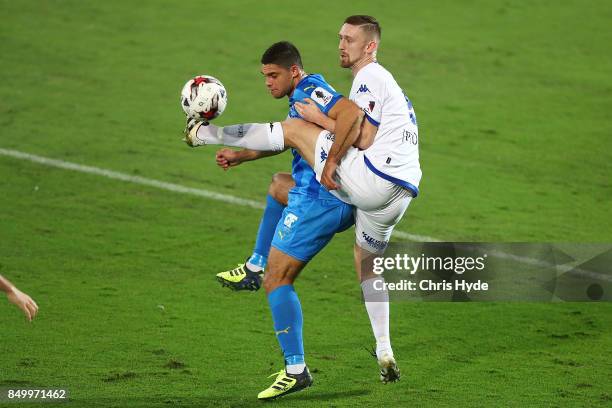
310 112
227 158
348 118
18 298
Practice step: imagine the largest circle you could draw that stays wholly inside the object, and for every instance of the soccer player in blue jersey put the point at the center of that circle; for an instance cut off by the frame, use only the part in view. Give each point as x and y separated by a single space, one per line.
290 236
282 68
375 166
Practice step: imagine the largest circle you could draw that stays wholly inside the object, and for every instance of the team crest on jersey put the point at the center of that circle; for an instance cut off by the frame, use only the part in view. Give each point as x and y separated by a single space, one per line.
363 88
371 105
321 96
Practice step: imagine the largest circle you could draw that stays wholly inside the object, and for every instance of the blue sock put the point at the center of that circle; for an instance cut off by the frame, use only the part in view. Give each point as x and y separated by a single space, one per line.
287 316
267 226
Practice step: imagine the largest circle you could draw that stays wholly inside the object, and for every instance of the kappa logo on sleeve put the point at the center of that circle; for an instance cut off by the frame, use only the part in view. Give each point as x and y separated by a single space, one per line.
363 89
321 96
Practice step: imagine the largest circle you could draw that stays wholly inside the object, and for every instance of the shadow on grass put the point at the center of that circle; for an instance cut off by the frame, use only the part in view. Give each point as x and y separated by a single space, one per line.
313 395
308 398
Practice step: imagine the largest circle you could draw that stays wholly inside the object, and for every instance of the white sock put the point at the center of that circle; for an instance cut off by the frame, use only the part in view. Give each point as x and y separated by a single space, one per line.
253 267
254 136
377 305
295 368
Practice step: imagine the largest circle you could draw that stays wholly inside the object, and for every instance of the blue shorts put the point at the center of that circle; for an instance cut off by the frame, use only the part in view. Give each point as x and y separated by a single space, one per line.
308 224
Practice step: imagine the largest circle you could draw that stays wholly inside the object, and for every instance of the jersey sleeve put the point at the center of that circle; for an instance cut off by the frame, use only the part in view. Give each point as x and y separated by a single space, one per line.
322 94
369 97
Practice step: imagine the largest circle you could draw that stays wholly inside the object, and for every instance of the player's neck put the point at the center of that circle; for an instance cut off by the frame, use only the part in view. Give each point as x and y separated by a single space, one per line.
362 63
297 80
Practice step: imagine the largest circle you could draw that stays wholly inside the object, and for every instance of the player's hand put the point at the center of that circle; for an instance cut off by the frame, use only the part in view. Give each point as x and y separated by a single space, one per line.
24 302
309 110
227 158
328 174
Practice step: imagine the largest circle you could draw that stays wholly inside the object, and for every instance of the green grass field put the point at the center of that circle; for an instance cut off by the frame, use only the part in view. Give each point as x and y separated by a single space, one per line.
513 102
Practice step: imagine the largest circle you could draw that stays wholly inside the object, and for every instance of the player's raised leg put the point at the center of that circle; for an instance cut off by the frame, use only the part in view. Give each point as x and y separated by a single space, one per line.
275 136
248 275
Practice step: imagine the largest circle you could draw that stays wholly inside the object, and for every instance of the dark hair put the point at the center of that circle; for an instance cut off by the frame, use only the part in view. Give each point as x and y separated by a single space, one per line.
282 53
367 23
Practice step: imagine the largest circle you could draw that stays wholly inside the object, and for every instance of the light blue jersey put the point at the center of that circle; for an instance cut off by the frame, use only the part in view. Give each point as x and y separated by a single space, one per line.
320 92
313 214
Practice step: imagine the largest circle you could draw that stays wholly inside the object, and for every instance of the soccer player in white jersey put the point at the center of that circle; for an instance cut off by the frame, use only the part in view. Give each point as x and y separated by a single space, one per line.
374 165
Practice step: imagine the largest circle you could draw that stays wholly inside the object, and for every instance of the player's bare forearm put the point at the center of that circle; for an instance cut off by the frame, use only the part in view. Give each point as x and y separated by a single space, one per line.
309 111
250 155
5 285
227 158
366 136
327 123
18 298
347 130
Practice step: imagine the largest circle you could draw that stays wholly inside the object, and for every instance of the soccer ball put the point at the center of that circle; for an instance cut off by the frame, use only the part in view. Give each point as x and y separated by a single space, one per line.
203 98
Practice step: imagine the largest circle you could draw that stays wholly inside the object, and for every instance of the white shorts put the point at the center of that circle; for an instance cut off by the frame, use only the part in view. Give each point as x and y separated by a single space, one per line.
379 203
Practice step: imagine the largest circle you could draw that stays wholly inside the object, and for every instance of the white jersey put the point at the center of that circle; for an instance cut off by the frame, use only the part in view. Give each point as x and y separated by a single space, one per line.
394 155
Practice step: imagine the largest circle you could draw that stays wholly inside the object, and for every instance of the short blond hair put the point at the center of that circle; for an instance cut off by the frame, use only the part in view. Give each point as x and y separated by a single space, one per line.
367 23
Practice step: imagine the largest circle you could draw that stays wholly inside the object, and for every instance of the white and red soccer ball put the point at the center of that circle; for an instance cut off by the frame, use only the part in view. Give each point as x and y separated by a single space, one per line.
203 98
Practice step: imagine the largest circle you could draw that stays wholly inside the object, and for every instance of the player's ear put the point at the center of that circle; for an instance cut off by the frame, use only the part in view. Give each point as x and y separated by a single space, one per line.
371 47
295 71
